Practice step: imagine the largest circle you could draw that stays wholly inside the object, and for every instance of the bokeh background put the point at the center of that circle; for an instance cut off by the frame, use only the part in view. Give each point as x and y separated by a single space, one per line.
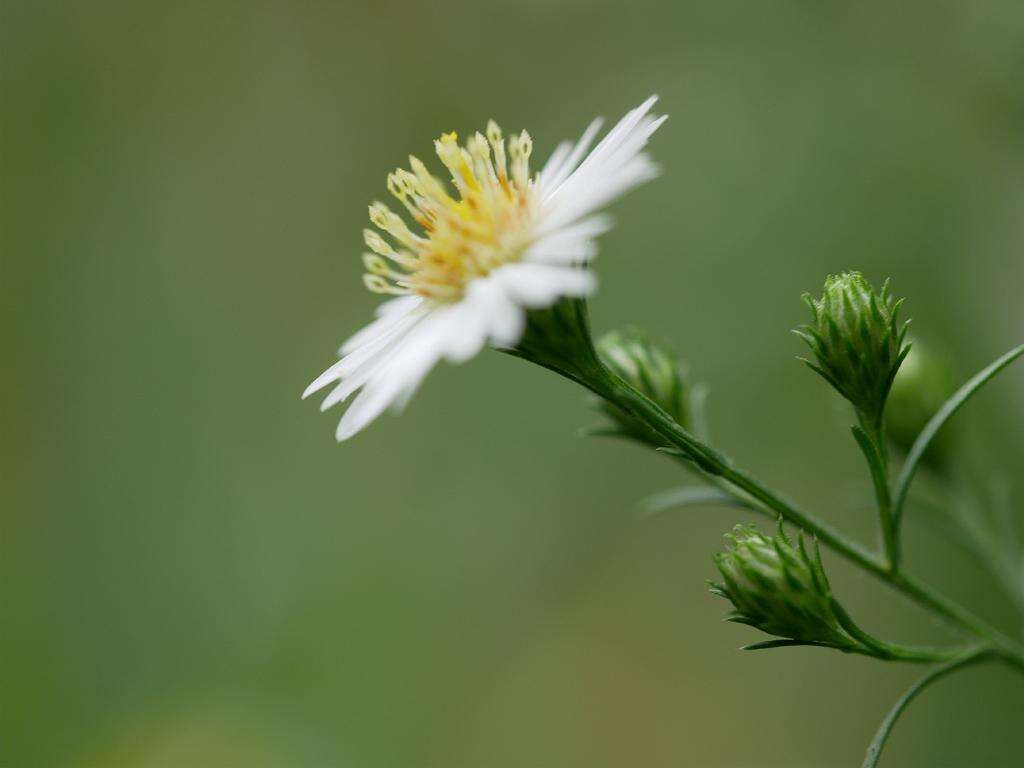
192 572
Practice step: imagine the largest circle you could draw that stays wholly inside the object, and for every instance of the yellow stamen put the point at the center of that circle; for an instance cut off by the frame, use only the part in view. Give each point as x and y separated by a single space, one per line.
488 224
377 284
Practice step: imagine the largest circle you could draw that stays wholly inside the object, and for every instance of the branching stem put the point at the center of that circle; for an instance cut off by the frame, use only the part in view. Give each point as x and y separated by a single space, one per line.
607 385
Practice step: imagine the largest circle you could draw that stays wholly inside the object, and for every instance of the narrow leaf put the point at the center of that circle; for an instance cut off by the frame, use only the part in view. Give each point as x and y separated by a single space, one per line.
950 407
602 430
768 644
688 496
875 749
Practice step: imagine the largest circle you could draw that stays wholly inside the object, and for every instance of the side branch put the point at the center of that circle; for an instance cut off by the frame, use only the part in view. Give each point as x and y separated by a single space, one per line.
881 736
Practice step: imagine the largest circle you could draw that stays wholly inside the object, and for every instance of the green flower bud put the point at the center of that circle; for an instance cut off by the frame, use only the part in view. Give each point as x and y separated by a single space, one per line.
780 589
856 341
653 371
922 385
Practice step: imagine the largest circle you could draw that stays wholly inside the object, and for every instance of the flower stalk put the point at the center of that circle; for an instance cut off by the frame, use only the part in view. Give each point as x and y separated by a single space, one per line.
872 443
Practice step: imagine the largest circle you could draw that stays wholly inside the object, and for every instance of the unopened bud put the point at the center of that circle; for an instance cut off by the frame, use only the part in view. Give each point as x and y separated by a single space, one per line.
652 371
857 341
779 588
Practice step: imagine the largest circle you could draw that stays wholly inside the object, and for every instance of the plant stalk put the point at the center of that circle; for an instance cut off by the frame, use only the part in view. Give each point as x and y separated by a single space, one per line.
871 439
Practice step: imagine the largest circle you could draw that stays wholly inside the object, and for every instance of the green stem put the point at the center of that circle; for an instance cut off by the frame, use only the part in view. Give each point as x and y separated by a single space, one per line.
871 439
605 384
880 649
1007 648
875 749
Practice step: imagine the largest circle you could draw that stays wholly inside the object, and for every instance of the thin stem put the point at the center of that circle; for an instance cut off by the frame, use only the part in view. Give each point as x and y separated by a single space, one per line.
875 749
871 440
880 649
891 652
1008 649
877 651
691 495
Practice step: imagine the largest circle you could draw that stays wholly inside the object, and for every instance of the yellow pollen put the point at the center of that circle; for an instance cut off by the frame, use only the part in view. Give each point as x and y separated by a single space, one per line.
485 224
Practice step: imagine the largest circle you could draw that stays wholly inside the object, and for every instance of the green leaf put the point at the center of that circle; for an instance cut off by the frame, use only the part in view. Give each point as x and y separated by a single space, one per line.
950 407
689 496
768 644
603 430
673 452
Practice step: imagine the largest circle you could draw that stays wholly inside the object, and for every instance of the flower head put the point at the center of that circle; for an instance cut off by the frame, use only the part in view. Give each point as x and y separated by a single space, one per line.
779 588
857 341
479 254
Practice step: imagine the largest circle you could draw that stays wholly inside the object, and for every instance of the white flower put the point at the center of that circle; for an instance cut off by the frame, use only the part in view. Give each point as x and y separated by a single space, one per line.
506 244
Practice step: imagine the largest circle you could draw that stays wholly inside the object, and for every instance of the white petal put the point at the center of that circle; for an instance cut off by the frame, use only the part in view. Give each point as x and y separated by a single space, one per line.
630 146
349 385
541 285
413 358
370 403
569 245
397 304
508 320
383 337
363 366
555 162
502 319
613 167
322 380
388 313
586 229
599 193
551 179
358 376
566 252
615 136
466 332
610 161
485 314
399 404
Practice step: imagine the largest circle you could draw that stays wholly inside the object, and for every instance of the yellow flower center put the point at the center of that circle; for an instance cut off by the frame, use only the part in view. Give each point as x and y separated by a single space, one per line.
488 225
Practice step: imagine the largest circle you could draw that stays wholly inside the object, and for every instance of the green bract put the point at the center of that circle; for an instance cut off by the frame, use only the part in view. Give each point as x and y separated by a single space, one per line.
857 341
652 371
780 589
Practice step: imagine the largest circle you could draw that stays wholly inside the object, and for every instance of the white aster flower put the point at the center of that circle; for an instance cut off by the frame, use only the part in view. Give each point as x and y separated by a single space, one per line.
507 242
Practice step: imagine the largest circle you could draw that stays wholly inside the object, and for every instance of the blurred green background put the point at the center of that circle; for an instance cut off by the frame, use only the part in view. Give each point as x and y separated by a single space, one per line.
192 572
